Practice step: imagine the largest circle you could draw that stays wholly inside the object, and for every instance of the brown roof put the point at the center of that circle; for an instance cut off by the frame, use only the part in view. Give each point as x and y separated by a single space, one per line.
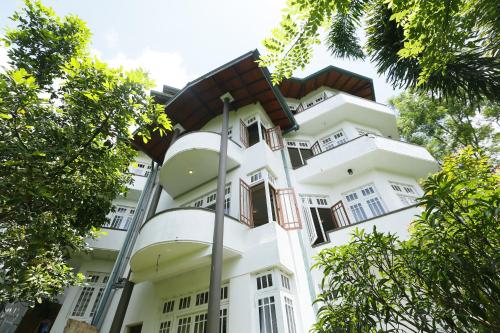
199 101
332 77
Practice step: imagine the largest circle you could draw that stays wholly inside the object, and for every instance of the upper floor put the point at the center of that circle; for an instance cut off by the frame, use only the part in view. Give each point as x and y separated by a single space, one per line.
288 146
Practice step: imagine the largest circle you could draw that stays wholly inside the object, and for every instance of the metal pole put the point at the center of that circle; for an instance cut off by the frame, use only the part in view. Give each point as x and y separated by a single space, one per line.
217 244
121 309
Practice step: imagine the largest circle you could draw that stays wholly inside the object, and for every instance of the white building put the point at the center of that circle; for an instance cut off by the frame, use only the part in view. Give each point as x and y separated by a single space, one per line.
307 163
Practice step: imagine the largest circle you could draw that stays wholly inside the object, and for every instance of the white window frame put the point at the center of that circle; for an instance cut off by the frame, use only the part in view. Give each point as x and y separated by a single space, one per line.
210 198
96 283
121 218
314 201
192 311
406 193
278 291
333 140
358 202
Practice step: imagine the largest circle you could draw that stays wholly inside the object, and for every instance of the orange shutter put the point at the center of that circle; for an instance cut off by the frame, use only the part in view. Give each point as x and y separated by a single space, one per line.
339 215
288 211
246 215
274 138
243 134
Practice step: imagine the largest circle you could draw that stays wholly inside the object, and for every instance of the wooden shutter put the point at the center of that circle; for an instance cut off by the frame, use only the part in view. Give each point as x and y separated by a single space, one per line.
288 211
243 134
316 148
339 215
246 206
274 138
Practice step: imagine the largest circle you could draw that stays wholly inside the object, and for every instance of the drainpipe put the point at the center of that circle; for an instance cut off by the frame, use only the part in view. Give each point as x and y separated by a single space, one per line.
305 256
128 244
128 286
218 238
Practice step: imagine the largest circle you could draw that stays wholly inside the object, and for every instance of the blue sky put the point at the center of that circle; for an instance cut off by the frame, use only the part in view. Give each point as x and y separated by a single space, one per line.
178 41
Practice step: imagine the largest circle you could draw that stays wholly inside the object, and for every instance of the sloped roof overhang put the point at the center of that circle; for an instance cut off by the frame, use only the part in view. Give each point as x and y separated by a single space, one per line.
199 101
333 77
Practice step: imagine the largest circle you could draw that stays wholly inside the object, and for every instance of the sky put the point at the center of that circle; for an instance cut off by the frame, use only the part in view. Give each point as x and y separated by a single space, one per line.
178 41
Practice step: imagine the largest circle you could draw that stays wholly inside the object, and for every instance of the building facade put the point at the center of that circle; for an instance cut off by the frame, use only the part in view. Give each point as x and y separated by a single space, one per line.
307 162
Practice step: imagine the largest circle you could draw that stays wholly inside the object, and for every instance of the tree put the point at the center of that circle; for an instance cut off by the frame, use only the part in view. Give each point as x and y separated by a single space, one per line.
66 127
445 277
449 48
444 126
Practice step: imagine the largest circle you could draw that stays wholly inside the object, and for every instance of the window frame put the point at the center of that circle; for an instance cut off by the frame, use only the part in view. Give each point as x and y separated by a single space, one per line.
357 203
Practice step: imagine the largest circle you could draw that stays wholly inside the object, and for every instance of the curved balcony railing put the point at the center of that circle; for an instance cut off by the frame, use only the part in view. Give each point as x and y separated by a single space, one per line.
193 159
362 154
180 239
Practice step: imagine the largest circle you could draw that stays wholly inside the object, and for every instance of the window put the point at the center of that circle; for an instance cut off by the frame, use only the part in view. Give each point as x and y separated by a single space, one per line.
209 200
264 281
165 326
90 294
255 177
168 306
318 217
267 315
184 324
141 169
184 302
375 206
223 293
285 282
223 320
408 200
333 140
364 203
299 152
202 298
200 323
406 193
290 317
121 218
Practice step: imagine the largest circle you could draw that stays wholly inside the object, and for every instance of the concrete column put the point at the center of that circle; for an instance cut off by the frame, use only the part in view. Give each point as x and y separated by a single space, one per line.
217 244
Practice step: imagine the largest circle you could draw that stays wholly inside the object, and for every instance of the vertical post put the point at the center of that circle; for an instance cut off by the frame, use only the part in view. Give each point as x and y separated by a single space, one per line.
217 244
128 287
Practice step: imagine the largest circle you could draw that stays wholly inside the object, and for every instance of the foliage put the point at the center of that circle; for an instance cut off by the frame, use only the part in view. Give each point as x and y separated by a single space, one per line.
66 127
449 48
445 277
444 126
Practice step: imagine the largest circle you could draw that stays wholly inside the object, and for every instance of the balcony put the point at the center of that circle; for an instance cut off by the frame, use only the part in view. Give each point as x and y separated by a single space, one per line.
112 240
344 107
193 160
396 222
179 240
363 154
